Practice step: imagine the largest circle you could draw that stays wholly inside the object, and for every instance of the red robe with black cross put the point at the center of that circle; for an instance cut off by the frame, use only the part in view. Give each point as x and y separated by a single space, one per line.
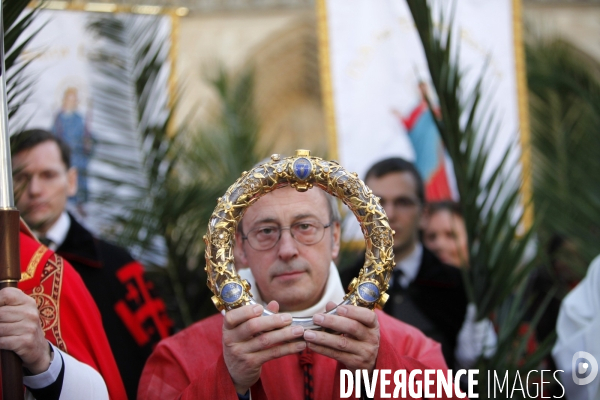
190 365
68 315
134 317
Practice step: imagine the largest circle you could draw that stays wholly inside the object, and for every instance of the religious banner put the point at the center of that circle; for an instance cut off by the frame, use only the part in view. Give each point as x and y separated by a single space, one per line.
83 90
376 81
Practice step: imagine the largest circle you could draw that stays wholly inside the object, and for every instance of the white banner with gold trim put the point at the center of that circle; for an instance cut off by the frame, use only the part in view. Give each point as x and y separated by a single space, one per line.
375 66
83 90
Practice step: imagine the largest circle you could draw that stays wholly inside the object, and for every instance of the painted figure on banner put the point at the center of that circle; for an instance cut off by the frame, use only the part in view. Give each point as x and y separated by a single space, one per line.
71 126
429 149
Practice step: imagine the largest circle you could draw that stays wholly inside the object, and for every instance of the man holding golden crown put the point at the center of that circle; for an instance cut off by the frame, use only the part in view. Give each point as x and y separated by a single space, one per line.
285 246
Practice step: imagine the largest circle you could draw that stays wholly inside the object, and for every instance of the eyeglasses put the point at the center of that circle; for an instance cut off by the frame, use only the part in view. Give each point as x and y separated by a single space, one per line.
304 232
401 203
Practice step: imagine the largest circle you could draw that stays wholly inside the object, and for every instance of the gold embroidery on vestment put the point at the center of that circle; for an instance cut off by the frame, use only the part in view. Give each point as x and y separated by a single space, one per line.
32 266
48 304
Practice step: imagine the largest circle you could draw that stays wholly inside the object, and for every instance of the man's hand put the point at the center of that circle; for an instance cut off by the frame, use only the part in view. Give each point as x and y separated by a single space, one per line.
21 332
357 343
250 340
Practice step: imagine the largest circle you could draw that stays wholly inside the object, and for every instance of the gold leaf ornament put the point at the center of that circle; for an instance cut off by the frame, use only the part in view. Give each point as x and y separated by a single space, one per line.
302 172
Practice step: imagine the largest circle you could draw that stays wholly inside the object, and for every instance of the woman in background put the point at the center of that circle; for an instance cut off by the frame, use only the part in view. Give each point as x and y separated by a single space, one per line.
445 234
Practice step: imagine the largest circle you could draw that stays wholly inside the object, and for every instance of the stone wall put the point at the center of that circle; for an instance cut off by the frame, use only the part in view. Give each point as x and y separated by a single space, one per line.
280 43
281 47
211 6
577 22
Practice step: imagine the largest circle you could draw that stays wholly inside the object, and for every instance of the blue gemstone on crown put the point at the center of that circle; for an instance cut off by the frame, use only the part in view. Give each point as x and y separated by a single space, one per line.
368 291
232 292
302 168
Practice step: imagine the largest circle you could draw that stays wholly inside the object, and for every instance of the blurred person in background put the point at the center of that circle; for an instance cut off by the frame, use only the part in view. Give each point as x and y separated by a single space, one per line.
424 292
134 317
445 234
556 277
548 285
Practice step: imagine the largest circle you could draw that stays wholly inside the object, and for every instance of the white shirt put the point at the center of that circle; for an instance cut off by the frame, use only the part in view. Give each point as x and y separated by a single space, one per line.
58 232
334 291
80 381
410 265
474 338
578 329
47 377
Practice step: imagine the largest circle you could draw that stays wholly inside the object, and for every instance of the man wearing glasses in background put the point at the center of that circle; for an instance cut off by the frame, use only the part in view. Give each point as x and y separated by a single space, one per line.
424 292
285 246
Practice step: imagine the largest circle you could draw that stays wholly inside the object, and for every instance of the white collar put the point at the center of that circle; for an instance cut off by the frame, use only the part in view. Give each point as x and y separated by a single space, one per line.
334 291
58 232
410 265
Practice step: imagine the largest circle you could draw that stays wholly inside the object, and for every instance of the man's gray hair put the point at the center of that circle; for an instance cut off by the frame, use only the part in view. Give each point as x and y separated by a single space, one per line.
334 211
332 205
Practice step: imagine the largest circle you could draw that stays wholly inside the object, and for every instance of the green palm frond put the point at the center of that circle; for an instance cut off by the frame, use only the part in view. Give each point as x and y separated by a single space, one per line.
17 20
14 43
174 187
565 135
491 204
208 160
131 71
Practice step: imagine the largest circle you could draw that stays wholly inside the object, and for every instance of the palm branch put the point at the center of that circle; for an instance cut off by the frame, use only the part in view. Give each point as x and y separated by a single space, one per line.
209 159
129 68
173 191
496 280
17 21
496 238
565 125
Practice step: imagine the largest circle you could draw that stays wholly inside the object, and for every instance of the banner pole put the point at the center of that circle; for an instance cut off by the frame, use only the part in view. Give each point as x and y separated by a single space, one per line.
10 266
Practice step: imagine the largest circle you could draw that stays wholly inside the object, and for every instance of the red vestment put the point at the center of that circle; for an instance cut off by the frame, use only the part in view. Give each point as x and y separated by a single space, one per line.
190 365
69 317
